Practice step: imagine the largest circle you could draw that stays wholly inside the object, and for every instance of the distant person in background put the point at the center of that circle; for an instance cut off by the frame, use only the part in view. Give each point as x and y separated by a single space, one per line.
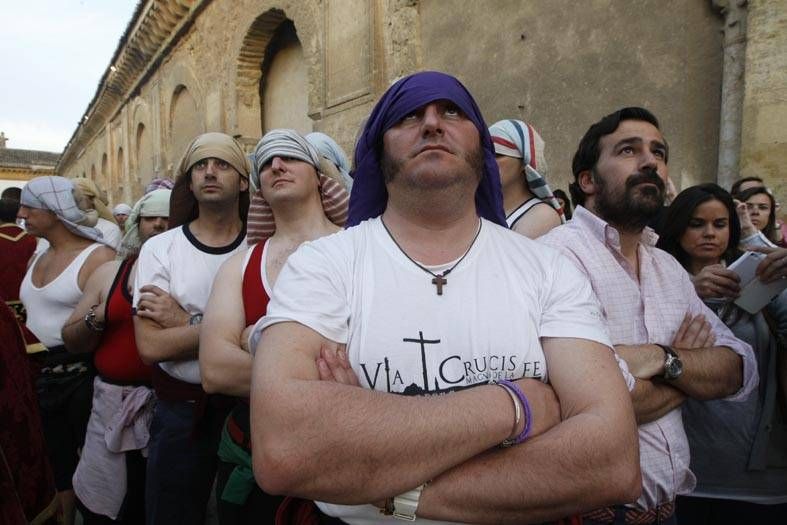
761 210
531 208
16 249
159 183
120 212
565 203
737 449
106 221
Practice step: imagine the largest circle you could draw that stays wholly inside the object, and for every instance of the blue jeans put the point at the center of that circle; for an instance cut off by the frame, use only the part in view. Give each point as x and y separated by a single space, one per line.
181 467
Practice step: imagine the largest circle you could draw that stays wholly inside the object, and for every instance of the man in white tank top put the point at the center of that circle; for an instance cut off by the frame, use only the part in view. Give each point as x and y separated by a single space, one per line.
55 210
208 210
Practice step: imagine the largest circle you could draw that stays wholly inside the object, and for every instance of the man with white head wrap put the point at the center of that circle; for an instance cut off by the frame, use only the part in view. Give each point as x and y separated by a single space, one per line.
120 212
531 208
303 203
208 209
53 208
109 481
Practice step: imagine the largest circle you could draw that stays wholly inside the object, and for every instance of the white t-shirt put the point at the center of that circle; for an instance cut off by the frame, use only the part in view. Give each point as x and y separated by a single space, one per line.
179 264
357 287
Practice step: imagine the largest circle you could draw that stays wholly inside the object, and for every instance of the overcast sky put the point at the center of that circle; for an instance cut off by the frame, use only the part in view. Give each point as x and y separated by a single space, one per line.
52 55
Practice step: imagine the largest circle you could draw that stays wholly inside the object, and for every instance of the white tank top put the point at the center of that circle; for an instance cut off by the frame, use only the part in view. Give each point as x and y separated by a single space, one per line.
50 306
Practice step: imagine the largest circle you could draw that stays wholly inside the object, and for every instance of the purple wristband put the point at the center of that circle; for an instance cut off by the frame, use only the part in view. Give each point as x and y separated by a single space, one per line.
525 406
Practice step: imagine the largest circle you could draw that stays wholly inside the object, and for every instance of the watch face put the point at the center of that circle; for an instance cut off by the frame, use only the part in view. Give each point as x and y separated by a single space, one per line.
673 368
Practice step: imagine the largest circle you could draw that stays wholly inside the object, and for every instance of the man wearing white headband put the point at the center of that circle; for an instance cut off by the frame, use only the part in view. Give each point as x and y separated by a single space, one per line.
121 213
531 208
54 209
110 479
305 199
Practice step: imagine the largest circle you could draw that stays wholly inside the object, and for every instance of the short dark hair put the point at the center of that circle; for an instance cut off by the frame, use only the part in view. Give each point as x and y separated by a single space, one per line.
13 193
770 228
736 186
679 213
588 152
8 209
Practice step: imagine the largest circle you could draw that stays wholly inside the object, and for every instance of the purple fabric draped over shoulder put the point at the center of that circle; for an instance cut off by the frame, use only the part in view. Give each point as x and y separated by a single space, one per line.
369 195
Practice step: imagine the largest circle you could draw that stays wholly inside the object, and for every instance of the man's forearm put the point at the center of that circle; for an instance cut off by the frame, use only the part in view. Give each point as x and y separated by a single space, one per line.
563 472
157 344
709 373
653 399
78 338
225 369
343 444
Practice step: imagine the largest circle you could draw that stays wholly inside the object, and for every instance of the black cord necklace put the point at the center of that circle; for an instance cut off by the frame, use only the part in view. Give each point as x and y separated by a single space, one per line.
438 279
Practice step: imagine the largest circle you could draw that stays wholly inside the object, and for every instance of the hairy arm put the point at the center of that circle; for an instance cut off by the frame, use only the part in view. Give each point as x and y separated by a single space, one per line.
538 221
157 342
590 459
225 366
77 337
709 372
653 399
327 441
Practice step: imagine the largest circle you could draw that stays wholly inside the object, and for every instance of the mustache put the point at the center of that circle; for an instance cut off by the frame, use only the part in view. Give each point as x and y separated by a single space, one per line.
647 176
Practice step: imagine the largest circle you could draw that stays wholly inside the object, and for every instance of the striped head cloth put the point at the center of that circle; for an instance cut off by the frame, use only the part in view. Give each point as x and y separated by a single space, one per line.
261 223
514 138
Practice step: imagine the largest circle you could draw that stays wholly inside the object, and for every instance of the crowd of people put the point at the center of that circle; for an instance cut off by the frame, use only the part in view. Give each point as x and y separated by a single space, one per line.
429 334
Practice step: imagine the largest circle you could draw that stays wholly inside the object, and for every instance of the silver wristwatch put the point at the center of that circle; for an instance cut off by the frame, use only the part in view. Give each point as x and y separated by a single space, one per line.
673 366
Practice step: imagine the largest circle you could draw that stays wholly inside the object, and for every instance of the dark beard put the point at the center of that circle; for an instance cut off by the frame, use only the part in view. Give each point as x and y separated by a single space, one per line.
632 212
391 168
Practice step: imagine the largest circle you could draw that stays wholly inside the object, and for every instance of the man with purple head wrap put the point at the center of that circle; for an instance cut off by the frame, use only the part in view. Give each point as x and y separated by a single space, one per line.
429 296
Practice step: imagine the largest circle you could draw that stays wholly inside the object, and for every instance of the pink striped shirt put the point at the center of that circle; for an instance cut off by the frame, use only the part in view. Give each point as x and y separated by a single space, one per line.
645 311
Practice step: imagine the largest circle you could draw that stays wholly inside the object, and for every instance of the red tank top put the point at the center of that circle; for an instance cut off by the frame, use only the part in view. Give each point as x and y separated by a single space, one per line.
255 298
117 358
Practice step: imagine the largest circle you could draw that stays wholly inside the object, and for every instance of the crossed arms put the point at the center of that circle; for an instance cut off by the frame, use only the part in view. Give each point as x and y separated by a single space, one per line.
339 443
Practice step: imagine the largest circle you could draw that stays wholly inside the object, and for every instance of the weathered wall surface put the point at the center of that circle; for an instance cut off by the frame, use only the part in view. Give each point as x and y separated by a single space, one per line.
559 65
562 65
764 133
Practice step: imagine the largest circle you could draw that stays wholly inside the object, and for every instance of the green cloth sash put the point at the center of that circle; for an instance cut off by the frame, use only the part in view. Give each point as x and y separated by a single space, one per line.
241 481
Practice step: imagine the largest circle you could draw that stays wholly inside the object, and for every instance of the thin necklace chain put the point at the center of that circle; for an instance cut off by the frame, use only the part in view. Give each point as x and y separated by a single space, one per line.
438 279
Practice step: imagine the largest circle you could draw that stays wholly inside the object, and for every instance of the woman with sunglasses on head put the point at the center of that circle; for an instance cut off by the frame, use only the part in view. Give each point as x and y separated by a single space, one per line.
738 450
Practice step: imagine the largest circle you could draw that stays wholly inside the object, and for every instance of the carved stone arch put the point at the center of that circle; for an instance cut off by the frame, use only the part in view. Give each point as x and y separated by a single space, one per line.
180 82
142 159
246 111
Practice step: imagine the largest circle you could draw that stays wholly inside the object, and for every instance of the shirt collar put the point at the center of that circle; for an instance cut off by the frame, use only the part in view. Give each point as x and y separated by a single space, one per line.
605 233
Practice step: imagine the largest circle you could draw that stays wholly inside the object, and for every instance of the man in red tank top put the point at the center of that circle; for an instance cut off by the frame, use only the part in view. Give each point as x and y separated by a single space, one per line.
110 480
300 197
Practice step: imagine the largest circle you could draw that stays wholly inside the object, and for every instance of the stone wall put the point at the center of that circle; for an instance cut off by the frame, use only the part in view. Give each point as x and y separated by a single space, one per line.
560 65
764 134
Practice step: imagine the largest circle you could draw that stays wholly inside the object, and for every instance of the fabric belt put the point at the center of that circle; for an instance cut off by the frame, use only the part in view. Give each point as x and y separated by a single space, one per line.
633 516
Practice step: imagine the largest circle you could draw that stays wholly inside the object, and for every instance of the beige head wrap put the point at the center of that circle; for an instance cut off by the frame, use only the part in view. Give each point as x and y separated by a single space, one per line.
91 189
183 206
